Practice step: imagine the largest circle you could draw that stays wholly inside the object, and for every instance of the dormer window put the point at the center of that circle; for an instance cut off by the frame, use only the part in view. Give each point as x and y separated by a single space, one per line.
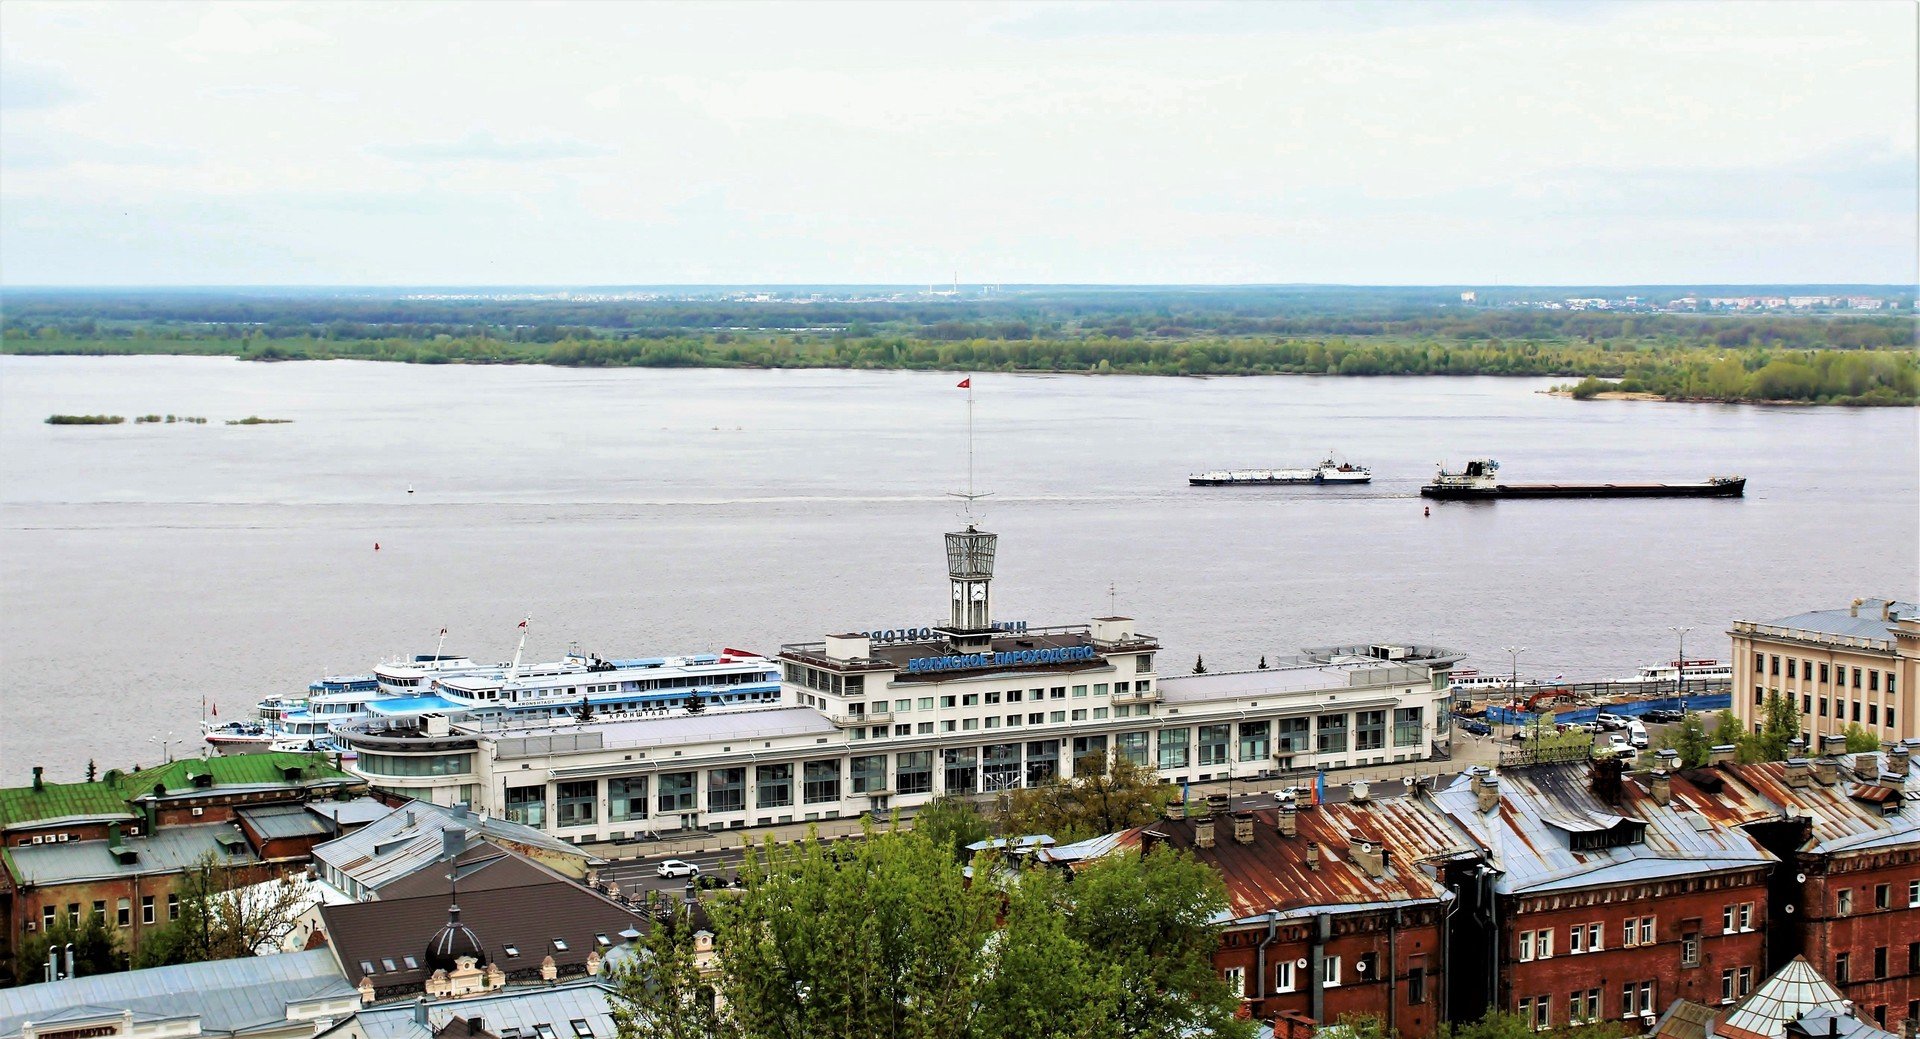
560 944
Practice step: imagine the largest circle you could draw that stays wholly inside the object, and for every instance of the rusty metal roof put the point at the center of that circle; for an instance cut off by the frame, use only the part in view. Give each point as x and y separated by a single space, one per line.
1848 814
1530 833
1270 873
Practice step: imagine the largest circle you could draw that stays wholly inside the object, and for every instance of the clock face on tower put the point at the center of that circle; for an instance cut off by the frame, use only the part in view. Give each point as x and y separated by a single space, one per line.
979 593
959 593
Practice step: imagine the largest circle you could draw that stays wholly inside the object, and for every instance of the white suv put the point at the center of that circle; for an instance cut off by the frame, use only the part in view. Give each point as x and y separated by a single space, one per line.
678 868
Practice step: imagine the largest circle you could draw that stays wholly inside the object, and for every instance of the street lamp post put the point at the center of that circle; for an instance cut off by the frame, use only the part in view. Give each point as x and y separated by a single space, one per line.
1680 665
1514 682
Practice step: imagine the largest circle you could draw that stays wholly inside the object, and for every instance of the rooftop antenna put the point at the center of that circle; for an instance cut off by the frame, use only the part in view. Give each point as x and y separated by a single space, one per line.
969 497
1113 601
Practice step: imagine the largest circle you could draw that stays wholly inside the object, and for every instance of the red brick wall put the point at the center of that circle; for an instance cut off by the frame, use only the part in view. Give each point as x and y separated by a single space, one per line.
1865 929
1416 942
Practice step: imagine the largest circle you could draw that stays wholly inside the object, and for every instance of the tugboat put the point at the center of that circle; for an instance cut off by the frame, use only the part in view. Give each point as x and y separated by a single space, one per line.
1326 472
1478 481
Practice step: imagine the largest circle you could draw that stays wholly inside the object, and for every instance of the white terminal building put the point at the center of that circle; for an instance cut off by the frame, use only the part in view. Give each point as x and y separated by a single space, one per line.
884 720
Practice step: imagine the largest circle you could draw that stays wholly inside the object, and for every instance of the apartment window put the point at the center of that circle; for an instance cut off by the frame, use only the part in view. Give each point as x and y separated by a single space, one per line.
1791 663
1856 710
962 770
727 789
1576 939
1593 1005
527 805
73 913
1173 748
1132 746
925 703
47 916
947 701
1370 730
1823 707
1143 663
1012 720
1880 962
1746 980
1873 681
1913 894
1099 713
1843 902
913 772
1873 714
1913 957
173 907
1283 976
123 912
1726 986
1759 664
1806 703
100 907
1543 945
1889 712
1236 981
1883 896
576 802
1776 664
1856 678
1037 718
773 785
969 724
146 909
1595 935
1646 930
1216 744
627 798
1254 740
903 730
1014 695
1330 975
1526 946
1840 965
1058 692
676 793
1079 690
947 725
971 700
1331 731
869 773
1408 722
1690 949
1823 674
1416 980
902 706
923 728
1726 919
1057 717
1100 689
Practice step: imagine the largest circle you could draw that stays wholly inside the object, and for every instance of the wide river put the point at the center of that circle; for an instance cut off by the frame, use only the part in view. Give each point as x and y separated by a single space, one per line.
644 512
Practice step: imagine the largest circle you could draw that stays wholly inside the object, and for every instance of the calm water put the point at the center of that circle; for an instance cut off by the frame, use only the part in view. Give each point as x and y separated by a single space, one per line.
144 567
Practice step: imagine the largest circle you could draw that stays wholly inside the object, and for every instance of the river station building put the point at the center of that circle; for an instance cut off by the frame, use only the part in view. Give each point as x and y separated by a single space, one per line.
1838 667
870 722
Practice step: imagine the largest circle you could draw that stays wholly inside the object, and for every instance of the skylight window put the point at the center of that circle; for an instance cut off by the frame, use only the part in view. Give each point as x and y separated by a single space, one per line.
366 967
602 940
389 965
580 1029
513 950
560 944
412 964
544 1031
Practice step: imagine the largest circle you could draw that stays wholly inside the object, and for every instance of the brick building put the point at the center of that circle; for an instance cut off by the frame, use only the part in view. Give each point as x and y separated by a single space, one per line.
1608 896
1332 909
118 847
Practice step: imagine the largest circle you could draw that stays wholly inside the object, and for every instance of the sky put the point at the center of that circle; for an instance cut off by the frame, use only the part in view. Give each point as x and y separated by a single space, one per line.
606 144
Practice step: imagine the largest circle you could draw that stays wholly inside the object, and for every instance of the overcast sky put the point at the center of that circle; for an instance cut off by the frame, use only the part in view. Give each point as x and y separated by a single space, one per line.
598 144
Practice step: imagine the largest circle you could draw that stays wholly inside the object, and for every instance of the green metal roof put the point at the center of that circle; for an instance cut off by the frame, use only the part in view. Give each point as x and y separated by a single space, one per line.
109 798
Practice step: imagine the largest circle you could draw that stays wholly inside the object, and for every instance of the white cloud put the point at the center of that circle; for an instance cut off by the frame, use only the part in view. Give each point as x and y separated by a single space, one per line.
595 143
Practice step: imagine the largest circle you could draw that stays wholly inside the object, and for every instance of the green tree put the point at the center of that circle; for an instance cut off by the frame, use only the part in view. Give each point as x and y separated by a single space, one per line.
1497 1024
881 938
952 823
1860 741
1779 726
1102 797
96 949
1199 665
1039 980
1149 917
663 993
225 913
1726 729
1690 740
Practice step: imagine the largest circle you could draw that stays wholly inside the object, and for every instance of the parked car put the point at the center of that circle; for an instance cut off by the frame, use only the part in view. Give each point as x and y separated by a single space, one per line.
1637 735
1610 722
678 868
1664 714
1478 728
1580 727
1617 743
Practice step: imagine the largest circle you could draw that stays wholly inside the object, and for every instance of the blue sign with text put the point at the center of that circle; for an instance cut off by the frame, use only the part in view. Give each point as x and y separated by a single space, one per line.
1016 658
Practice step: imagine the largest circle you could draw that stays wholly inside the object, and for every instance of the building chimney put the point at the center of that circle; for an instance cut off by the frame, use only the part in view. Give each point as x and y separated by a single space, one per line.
1825 769
1289 818
1660 785
1900 760
1886 609
1243 827
1797 747
1724 754
1855 611
1833 743
38 783
1176 809
1203 832
1799 774
1667 759
1216 804
1370 857
1489 792
420 1012
476 1025
1313 855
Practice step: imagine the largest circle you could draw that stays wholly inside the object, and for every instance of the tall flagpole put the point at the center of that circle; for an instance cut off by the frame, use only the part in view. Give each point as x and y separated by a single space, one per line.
969 448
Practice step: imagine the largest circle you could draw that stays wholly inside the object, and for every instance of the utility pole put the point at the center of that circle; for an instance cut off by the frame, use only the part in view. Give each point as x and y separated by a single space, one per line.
1514 652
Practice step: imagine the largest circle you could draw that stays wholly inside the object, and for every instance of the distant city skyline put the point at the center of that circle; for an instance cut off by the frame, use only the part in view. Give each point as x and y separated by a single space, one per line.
1497 144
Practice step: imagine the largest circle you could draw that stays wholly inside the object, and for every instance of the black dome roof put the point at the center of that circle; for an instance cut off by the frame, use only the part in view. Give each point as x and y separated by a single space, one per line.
453 941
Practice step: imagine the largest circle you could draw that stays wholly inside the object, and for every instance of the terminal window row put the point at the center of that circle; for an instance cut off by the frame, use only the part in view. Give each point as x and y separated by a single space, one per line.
1804 669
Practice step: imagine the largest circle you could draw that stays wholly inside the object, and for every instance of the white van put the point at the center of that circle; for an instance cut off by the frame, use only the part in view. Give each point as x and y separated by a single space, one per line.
1637 734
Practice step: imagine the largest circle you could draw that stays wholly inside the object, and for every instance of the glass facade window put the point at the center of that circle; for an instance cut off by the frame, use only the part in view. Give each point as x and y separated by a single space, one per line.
774 786
1293 736
913 772
869 773
1174 749
410 765
576 803
676 793
1043 761
1370 730
1000 766
1085 747
627 798
962 770
1132 746
820 781
1407 726
1332 733
1216 744
727 789
527 805
1254 740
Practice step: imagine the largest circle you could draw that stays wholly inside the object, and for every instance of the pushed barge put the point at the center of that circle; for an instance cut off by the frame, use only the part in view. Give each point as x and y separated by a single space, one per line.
1327 472
1478 481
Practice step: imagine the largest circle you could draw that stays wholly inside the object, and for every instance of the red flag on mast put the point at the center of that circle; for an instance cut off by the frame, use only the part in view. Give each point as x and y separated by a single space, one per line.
966 383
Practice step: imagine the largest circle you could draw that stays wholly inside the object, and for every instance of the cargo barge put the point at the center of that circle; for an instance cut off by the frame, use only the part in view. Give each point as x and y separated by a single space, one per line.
1479 481
1327 472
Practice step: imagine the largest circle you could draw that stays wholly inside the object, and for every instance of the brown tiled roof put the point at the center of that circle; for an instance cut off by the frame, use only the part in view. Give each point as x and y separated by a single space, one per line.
508 899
